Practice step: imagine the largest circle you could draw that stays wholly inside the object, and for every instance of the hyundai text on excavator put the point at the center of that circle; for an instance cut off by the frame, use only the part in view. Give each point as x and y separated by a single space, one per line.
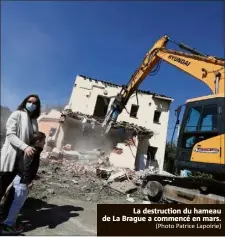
201 141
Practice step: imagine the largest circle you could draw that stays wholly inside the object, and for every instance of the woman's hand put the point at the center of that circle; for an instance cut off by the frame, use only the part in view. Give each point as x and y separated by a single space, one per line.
29 151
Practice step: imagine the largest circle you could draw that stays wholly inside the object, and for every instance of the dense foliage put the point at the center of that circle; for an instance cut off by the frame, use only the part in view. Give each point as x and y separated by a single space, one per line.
170 154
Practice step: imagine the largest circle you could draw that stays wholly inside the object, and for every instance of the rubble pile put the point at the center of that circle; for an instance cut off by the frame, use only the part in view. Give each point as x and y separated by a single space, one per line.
87 176
142 173
116 125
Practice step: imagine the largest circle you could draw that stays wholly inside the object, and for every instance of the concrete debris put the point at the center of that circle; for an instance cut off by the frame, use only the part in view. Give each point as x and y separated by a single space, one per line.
57 185
56 153
124 187
50 191
65 186
139 130
45 155
88 199
119 176
95 152
69 154
103 173
91 155
145 197
55 161
142 173
48 148
104 162
67 147
165 173
130 200
93 124
74 181
89 176
146 202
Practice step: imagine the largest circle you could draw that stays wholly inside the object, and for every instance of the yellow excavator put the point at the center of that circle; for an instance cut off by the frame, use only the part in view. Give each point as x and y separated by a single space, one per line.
201 140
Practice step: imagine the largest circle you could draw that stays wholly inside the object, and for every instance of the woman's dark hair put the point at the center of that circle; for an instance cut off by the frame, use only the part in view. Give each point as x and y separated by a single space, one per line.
37 111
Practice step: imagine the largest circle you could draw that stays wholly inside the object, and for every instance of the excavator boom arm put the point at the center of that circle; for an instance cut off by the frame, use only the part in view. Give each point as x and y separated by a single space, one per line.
148 63
205 69
208 69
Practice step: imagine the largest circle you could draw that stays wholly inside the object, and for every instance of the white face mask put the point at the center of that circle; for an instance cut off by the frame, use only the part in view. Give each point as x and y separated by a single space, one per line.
30 107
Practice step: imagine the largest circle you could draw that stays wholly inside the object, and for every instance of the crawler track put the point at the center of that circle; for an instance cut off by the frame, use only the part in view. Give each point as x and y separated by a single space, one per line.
204 185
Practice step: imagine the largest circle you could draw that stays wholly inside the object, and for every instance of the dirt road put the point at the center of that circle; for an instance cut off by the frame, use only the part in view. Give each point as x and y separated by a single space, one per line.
64 203
59 216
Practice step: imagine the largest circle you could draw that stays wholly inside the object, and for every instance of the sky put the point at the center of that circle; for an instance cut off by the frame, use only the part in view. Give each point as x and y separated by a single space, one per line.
46 44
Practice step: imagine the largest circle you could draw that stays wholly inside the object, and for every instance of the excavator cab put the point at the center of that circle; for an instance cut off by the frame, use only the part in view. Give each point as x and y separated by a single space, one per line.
201 136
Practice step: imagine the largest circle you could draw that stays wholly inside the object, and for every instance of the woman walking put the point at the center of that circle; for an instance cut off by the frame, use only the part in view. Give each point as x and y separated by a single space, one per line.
20 128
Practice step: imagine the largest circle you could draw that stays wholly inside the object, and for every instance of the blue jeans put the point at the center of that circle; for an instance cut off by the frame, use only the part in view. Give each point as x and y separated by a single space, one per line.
20 196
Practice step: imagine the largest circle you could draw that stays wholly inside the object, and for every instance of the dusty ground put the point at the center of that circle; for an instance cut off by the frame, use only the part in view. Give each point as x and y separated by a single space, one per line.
53 180
59 216
63 204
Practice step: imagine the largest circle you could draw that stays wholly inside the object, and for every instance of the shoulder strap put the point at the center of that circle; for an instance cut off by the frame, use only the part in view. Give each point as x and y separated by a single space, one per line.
19 124
31 122
18 151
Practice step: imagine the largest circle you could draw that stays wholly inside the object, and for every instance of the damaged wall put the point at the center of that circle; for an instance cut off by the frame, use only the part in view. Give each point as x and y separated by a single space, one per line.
124 148
80 140
119 145
85 94
49 124
84 139
151 110
124 154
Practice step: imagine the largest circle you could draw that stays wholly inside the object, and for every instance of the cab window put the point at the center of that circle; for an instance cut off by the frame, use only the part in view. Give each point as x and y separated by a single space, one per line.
202 119
193 119
209 118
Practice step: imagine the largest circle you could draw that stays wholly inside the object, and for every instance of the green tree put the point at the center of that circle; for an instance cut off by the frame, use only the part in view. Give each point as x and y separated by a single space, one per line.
170 154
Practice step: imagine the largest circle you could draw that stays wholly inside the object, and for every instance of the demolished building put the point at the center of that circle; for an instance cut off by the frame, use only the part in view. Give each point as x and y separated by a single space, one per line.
140 130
